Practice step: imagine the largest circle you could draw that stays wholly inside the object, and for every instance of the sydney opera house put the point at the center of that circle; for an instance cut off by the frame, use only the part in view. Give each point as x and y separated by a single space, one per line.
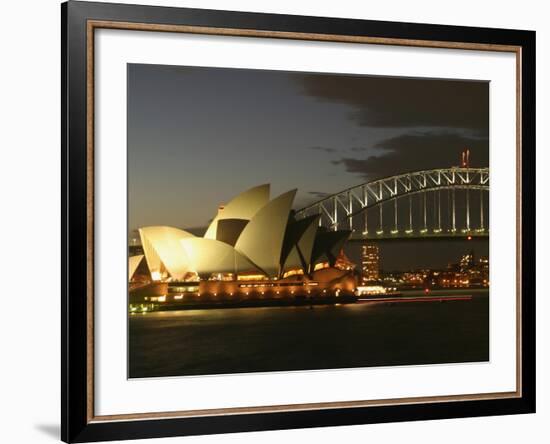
254 250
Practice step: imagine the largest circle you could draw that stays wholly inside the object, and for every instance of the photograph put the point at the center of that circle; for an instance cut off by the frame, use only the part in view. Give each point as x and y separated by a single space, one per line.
277 220
286 221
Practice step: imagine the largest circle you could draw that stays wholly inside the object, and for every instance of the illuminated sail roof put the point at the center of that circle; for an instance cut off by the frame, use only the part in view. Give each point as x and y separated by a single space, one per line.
244 206
250 235
262 239
133 263
207 256
161 245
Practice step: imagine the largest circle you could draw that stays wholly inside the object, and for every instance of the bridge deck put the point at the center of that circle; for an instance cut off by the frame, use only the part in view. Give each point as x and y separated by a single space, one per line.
360 237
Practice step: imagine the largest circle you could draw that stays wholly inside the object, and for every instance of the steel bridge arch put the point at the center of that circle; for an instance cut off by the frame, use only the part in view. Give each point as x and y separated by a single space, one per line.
355 200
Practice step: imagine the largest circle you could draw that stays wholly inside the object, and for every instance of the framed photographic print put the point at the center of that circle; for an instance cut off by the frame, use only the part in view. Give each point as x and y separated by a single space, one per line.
277 221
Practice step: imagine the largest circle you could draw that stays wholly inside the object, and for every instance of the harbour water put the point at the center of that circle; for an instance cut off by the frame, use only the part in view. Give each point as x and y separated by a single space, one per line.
224 341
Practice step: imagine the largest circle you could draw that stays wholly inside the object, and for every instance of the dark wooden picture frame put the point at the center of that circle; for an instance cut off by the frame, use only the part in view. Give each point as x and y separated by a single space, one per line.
79 20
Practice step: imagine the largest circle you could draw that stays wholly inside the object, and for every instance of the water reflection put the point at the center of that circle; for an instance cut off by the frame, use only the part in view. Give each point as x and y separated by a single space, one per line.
220 341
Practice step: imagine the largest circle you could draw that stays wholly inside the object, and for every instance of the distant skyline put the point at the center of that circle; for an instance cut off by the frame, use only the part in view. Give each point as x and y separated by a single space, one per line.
198 136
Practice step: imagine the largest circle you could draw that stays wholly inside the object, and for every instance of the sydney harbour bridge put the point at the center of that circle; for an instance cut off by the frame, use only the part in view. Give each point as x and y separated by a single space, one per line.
438 203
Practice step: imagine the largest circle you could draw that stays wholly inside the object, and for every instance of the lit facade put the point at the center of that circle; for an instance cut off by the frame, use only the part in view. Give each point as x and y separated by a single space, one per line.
370 263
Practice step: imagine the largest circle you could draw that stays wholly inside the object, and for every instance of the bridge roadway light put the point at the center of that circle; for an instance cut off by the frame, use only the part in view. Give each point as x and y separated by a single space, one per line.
394 231
379 232
409 231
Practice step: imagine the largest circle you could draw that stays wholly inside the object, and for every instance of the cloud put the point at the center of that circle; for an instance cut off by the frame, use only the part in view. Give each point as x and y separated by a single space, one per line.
319 194
417 151
386 102
323 148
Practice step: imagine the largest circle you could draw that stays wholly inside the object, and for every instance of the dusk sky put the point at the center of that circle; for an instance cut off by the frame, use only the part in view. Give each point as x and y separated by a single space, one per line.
199 136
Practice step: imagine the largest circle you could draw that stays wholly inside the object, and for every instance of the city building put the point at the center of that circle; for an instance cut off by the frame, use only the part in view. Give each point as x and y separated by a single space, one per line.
467 261
467 273
370 263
